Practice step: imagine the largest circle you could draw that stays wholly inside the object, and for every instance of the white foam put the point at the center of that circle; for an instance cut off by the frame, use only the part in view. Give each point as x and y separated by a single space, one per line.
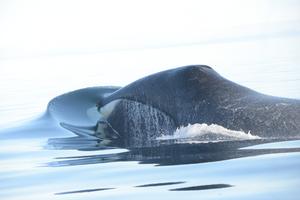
206 132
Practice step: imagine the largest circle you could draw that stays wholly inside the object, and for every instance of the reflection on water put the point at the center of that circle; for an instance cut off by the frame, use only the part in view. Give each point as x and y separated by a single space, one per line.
170 154
160 184
199 187
232 169
82 191
203 187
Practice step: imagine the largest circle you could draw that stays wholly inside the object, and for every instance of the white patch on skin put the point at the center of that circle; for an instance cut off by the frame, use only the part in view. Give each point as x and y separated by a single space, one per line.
107 109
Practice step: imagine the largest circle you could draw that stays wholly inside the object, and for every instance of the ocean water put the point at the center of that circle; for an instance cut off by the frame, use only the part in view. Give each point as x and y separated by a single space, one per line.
40 159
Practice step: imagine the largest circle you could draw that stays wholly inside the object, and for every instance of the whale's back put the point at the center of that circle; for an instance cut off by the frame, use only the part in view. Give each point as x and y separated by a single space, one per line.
198 94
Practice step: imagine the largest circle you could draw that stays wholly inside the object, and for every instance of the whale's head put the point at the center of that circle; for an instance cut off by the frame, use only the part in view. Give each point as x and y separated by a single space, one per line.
155 105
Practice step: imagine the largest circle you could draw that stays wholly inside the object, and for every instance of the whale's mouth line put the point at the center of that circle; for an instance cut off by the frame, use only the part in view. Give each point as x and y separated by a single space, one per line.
105 124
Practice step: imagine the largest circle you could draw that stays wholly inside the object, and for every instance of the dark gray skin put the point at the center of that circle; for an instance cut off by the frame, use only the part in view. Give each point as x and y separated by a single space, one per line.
162 102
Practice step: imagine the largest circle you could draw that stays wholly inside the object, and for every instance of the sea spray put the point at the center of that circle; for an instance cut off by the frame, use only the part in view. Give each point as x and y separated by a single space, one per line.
207 132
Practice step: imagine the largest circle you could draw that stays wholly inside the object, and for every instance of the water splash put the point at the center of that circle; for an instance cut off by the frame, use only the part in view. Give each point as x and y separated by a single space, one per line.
208 133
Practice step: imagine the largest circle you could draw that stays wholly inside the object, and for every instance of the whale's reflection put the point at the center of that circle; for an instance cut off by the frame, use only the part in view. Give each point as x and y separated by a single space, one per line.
190 188
203 187
160 184
84 191
165 154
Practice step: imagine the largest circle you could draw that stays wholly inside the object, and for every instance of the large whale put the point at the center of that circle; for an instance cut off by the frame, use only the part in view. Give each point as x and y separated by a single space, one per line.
160 103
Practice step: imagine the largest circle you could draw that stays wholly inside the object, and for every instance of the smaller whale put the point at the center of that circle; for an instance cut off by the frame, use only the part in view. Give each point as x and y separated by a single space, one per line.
160 103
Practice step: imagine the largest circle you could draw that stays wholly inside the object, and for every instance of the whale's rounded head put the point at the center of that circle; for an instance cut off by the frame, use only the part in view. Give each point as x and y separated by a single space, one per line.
194 73
196 67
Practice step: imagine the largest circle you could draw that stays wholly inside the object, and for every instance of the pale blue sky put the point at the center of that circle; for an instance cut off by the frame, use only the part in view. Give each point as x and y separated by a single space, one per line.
34 27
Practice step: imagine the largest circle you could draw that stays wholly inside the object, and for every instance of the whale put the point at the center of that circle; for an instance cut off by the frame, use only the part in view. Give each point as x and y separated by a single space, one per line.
160 103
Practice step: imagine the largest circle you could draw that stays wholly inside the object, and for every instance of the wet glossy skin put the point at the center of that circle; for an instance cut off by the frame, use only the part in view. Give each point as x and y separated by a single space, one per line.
198 94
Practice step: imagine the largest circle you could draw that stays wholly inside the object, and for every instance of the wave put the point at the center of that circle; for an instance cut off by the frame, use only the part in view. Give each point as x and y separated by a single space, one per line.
208 133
